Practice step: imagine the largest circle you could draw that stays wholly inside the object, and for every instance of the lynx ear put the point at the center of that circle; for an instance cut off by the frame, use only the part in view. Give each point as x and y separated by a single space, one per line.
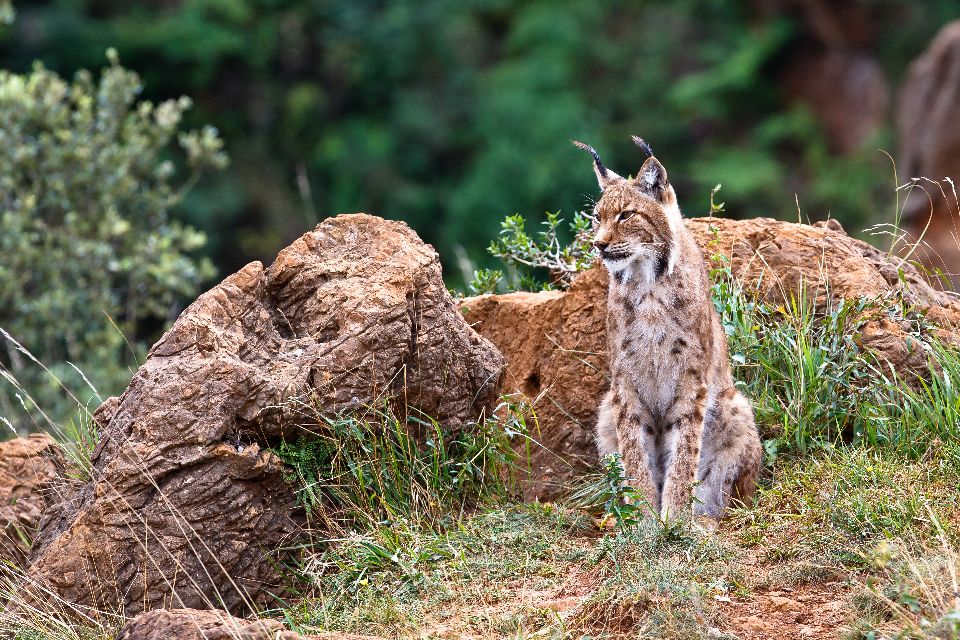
652 177
605 177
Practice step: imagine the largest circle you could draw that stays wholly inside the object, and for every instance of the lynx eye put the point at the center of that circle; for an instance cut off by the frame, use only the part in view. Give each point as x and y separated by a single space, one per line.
625 215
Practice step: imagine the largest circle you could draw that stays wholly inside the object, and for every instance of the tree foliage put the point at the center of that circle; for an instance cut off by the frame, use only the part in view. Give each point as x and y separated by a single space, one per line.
452 114
89 253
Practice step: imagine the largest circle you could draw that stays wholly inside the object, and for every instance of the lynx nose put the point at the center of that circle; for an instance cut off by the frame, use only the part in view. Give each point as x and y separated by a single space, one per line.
600 244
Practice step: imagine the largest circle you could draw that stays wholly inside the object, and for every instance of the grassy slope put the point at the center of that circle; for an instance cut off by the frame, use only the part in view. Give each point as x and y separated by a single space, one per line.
832 547
852 533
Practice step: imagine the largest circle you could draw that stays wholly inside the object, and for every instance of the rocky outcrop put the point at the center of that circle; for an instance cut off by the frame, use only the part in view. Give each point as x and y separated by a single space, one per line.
193 624
555 342
555 345
186 505
29 468
928 139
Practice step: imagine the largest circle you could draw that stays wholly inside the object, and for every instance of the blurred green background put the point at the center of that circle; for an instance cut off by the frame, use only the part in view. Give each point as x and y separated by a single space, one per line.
453 114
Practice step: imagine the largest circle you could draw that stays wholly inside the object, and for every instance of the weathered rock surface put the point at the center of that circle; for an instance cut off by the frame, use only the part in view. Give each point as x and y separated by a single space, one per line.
193 624
29 468
555 342
928 134
186 505
555 345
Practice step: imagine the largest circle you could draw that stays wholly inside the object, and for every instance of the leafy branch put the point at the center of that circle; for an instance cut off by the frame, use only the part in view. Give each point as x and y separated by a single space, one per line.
523 251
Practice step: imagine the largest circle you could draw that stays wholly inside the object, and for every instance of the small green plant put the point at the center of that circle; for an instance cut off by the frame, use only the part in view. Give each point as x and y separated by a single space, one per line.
529 255
78 438
624 503
485 281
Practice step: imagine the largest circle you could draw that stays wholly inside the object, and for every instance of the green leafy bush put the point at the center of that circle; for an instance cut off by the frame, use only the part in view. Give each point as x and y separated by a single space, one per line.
88 250
528 257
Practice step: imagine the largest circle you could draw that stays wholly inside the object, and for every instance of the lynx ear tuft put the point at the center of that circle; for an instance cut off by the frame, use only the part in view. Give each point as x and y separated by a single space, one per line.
605 177
640 142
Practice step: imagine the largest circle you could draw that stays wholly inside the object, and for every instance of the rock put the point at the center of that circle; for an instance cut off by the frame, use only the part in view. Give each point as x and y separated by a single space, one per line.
775 257
187 506
29 468
193 624
555 342
928 135
555 345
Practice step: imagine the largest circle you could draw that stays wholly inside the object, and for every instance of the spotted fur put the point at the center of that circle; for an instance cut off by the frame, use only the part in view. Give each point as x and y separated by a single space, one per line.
672 412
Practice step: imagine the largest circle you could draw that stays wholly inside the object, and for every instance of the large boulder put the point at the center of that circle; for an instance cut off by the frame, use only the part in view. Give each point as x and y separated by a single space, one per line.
29 472
186 504
928 133
193 624
555 341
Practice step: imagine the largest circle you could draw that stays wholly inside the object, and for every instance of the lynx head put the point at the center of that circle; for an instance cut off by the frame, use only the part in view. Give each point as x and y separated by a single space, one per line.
636 218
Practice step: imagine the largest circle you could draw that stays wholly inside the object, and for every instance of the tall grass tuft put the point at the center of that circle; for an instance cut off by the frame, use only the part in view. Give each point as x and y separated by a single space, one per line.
813 385
372 482
915 591
370 467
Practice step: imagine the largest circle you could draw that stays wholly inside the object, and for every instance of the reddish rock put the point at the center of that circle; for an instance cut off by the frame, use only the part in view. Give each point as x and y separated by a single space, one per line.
29 468
555 345
187 507
555 342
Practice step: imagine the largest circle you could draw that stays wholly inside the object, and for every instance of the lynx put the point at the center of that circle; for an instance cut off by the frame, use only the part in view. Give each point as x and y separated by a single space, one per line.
682 429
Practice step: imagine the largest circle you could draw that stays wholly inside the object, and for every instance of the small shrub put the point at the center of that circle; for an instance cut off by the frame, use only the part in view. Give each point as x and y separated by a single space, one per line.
88 249
528 256
623 505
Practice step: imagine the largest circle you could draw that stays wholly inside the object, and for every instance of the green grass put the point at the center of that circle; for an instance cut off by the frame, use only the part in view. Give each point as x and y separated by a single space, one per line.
503 572
813 385
837 504
372 467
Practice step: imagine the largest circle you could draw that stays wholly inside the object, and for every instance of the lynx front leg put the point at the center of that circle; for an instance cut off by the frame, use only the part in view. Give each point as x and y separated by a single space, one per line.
606 433
631 421
687 419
